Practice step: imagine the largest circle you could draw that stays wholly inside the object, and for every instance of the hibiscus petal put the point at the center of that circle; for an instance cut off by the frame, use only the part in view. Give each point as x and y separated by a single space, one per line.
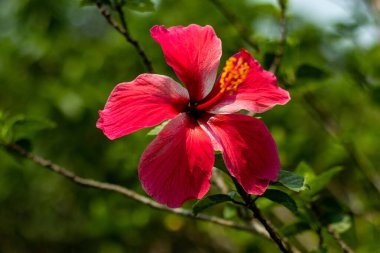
257 93
177 165
194 53
146 101
249 150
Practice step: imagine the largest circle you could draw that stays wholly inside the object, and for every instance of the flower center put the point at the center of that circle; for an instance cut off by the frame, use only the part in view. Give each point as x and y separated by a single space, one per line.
234 73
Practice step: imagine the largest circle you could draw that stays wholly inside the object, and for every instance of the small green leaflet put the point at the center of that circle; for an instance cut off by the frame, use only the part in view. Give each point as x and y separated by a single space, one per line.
291 180
209 201
306 171
322 180
158 128
342 223
281 198
14 128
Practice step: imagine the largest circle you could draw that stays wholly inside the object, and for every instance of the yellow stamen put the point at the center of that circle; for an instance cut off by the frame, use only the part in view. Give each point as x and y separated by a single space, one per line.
234 73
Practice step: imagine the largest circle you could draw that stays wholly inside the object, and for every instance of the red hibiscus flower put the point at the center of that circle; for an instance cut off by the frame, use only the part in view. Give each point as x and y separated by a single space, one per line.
177 165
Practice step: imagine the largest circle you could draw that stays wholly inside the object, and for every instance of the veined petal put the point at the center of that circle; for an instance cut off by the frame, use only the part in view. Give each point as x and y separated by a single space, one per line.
249 150
177 165
146 101
258 92
194 53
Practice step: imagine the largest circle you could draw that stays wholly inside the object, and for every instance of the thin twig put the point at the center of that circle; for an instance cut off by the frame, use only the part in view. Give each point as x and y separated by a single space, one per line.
281 46
282 243
345 248
123 30
241 28
128 193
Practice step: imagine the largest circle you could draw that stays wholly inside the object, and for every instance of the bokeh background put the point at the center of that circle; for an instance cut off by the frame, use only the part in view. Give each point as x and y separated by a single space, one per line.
59 61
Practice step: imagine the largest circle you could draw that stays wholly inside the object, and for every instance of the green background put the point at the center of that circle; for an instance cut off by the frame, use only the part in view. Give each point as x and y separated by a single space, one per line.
59 61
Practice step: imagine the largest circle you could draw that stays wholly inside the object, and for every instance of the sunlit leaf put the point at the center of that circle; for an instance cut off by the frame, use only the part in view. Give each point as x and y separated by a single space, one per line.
235 196
291 180
158 128
322 180
306 171
341 223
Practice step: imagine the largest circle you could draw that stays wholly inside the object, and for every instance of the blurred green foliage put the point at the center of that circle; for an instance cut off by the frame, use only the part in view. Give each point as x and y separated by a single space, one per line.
58 63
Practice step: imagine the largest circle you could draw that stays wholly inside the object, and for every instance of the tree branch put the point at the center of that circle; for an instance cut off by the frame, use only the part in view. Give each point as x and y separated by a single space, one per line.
128 193
282 243
281 46
241 29
123 30
345 248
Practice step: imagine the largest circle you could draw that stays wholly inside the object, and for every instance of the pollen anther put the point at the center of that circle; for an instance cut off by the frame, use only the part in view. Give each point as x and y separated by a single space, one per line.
234 73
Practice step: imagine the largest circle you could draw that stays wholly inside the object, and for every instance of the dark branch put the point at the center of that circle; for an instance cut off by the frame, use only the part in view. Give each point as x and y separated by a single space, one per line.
281 46
250 204
128 193
123 30
281 242
345 248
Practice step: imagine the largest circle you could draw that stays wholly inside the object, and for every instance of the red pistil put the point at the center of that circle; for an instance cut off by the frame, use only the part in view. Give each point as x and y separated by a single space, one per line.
234 73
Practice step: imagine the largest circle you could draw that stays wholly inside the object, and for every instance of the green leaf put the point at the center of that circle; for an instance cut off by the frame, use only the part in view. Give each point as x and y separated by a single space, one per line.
26 127
307 71
332 213
209 201
322 180
158 128
291 180
139 5
235 196
14 128
306 171
341 223
281 198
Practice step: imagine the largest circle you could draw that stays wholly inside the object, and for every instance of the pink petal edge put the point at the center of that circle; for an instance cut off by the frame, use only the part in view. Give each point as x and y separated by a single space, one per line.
144 102
249 150
194 53
177 165
258 93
